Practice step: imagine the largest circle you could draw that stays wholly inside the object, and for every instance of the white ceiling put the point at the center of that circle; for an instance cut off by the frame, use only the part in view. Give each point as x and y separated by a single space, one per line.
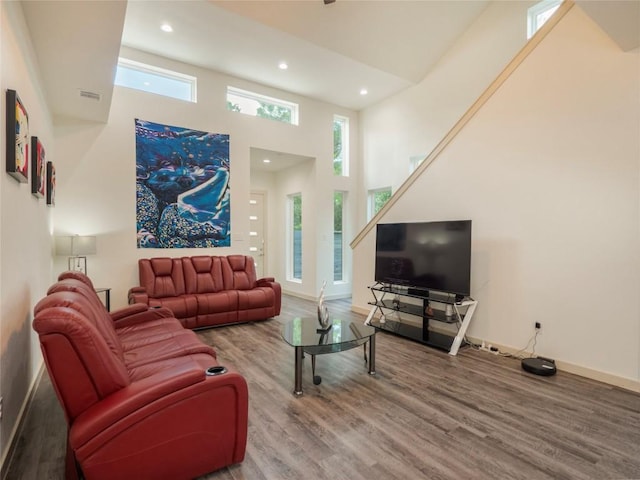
333 50
620 19
402 38
277 160
77 45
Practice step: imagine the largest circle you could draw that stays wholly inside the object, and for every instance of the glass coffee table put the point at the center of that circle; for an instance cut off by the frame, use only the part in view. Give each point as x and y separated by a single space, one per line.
304 335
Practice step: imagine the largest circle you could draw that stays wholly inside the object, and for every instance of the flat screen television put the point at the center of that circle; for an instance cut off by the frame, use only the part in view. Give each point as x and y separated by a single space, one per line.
427 256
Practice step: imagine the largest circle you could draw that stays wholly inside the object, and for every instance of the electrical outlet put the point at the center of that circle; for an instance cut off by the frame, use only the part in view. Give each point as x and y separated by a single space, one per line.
538 325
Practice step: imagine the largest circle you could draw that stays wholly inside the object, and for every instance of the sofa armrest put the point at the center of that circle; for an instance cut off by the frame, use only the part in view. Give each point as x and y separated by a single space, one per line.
138 295
277 290
129 310
143 399
139 313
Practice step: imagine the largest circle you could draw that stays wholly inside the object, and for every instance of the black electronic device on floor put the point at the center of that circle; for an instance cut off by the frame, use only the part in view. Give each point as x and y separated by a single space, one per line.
539 366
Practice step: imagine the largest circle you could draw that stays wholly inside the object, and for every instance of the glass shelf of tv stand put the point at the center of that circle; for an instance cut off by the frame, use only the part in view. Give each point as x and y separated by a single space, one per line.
431 295
424 335
416 310
463 309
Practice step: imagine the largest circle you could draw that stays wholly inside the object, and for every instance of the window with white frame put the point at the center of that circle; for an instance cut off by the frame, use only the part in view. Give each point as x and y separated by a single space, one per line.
256 105
338 235
152 79
376 200
340 146
539 14
415 161
294 243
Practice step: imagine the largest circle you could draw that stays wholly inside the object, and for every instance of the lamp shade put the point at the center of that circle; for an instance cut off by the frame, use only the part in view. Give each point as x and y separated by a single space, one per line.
75 245
63 246
83 245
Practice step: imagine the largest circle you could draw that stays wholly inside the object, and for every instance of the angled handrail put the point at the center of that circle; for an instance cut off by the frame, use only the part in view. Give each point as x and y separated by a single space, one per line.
468 115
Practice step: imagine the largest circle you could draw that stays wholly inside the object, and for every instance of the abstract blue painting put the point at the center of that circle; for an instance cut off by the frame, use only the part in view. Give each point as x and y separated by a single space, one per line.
182 187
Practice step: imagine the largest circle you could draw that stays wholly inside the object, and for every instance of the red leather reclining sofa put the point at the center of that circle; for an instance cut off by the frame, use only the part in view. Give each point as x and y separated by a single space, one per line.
205 291
135 390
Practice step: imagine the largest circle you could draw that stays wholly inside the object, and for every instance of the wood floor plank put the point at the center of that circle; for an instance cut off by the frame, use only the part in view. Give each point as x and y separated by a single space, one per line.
424 415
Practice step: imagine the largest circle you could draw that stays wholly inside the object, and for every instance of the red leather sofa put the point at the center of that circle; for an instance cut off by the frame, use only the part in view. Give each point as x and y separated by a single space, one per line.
206 291
135 390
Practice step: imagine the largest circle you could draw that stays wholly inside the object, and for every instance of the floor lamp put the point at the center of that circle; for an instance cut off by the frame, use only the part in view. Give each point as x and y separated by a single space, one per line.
76 247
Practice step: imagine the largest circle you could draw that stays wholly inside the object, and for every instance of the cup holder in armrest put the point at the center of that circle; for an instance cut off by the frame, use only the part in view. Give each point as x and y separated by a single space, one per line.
217 370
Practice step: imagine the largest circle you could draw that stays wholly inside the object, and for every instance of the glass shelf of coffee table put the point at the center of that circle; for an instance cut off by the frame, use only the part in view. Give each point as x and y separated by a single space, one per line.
305 335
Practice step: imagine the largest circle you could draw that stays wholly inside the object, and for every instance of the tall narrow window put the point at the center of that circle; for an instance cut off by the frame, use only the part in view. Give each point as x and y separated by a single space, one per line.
338 236
539 14
377 199
149 78
341 146
294 269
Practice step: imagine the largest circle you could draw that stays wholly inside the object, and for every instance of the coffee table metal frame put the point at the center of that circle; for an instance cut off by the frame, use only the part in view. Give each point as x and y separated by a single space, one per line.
304 335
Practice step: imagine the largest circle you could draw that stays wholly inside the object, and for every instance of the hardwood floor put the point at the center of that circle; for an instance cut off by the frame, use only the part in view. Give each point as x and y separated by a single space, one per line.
424 415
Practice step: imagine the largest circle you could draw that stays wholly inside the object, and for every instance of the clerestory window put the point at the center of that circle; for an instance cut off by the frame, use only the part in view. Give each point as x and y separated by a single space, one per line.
152 79
539 14
256 105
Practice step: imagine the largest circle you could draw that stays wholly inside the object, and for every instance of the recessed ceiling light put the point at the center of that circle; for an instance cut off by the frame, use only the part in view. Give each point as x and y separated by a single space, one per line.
363 91
166 28
146 84
283 65
266 160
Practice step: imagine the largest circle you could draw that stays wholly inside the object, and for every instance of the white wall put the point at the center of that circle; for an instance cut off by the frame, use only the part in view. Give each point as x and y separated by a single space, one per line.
298 180
25 225
96 173
548 171
414 121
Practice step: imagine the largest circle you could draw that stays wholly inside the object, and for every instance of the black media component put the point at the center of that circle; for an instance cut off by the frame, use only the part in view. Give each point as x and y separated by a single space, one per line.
425 256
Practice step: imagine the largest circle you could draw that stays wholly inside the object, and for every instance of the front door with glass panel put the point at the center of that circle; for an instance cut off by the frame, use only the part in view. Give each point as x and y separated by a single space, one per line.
257 246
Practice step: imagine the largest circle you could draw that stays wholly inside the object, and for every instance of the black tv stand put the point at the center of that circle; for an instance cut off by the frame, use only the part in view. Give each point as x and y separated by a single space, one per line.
393 300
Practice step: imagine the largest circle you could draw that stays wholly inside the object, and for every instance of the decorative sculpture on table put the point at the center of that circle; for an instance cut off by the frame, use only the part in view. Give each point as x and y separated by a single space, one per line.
323 313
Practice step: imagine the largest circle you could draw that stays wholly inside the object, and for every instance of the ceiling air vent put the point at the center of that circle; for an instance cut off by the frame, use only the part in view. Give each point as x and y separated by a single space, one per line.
90 95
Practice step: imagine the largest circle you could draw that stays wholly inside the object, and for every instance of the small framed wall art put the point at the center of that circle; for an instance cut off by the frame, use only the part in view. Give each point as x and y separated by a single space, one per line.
51 184
38 168
17 138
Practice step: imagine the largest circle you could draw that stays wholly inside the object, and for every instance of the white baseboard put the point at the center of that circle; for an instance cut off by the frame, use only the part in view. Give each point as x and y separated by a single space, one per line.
604 377
360 310
7 454
608 378
337 296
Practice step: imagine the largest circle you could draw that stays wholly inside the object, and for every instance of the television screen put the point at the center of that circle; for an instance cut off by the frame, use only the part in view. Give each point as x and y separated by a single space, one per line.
429 255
